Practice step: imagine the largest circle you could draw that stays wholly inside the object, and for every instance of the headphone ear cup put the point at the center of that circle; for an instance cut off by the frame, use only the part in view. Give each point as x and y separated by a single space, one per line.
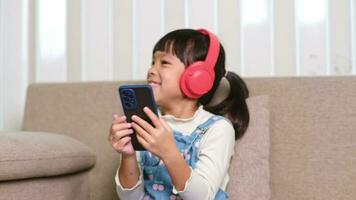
197 80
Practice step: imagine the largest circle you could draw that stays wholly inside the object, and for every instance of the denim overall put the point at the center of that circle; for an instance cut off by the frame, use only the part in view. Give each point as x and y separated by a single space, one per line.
157 182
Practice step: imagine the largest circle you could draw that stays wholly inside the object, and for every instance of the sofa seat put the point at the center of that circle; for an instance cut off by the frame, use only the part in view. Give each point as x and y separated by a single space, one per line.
25 155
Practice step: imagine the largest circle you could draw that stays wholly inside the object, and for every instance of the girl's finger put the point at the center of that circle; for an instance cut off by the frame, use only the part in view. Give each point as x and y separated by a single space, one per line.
141 132
121 126
118 119
142 123
142 141
123 141
121 134
115 116
153 117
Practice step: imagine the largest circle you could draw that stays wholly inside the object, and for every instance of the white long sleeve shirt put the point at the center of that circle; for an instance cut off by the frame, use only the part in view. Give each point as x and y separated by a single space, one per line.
211 172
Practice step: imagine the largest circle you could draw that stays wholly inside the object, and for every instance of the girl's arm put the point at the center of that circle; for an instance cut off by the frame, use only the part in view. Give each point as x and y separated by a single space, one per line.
128 179
211 170
178 169
128 175
129 172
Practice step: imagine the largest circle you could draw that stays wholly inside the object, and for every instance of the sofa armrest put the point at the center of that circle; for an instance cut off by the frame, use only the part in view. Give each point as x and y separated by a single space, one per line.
39 154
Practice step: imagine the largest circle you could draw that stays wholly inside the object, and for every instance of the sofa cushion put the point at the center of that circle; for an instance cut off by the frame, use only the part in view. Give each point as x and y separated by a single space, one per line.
39 154
249 169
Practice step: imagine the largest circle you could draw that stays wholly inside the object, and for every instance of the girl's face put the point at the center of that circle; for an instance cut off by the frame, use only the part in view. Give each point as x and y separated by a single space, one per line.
164 77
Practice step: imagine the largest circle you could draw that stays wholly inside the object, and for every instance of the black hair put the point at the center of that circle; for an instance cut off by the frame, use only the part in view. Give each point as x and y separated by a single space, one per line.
189 46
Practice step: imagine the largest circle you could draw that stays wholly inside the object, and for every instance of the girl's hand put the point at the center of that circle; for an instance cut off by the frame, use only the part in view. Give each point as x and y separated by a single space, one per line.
159 140
119 136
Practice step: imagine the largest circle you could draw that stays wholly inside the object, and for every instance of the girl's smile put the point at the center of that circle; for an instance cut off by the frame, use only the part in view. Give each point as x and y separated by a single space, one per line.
154 84
164 77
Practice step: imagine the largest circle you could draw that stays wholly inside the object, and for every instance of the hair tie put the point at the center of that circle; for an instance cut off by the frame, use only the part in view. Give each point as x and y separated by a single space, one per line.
221 93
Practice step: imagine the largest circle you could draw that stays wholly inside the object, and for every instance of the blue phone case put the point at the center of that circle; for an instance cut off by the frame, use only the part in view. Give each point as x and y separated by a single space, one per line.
133 99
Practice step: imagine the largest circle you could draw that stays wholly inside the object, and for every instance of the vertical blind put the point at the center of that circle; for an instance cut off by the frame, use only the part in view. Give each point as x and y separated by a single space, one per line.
88 40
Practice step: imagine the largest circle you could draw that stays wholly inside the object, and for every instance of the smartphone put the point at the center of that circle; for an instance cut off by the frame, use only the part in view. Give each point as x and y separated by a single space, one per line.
133 99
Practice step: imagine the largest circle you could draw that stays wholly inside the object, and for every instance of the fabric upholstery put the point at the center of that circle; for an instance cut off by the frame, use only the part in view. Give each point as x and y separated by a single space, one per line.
38 154
249 170
312 136
67 187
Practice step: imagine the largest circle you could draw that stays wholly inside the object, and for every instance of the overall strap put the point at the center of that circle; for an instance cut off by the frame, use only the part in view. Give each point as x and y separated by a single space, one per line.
202 128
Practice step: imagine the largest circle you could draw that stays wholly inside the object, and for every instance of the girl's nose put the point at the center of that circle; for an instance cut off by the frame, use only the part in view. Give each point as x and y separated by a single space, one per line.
152 70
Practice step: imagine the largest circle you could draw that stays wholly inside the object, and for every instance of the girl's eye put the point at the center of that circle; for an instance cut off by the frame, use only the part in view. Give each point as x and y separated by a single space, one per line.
152 63
163 62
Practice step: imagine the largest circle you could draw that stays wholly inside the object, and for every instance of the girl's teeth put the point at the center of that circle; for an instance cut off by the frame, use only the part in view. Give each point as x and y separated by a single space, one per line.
154 84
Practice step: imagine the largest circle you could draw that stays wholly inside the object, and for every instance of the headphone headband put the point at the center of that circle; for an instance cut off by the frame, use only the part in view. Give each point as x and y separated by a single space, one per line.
213 50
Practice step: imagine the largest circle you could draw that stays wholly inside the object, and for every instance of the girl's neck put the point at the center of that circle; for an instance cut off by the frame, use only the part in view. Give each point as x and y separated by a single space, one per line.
181 110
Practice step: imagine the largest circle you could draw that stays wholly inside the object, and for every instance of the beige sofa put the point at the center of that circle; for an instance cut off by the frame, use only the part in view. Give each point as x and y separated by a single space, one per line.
63 153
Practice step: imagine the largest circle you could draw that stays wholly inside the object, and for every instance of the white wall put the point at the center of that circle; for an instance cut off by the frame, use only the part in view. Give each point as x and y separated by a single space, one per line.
13 62
90 40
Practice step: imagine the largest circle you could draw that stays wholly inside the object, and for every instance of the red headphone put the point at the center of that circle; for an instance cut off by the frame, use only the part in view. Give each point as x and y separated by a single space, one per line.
198 78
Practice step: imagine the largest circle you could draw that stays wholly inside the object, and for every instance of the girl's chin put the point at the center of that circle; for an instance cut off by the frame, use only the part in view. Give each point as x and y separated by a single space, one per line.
158 101
155 89
155 93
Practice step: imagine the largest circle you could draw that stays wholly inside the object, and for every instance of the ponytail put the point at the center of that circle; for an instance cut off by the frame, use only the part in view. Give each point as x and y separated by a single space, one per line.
234 107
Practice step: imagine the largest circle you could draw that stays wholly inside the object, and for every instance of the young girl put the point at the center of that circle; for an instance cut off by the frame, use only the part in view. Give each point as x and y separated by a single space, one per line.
202 112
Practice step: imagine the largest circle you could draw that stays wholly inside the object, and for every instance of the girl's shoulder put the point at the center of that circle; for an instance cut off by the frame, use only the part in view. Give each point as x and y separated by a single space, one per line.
218 119
218 124
220 133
